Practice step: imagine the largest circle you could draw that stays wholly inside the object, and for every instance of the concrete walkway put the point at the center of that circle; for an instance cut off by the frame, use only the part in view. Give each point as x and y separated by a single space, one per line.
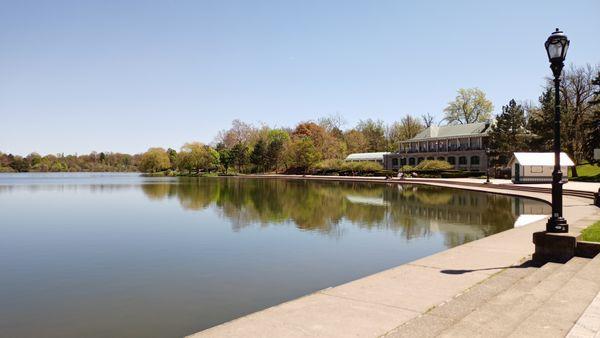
571 185
378 304
588 325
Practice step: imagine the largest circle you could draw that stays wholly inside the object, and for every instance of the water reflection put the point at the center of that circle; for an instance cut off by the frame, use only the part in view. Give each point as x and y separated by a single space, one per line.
106 255
409 210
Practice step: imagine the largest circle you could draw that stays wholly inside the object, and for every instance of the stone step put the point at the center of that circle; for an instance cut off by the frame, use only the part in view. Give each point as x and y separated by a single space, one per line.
446 315
558 314
501 315
588 325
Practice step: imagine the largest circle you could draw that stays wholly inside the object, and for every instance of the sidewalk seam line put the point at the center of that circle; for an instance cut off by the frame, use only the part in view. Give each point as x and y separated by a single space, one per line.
372 303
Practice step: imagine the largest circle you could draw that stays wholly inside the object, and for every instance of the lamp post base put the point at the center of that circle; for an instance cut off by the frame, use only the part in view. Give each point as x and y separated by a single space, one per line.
557 225
552 247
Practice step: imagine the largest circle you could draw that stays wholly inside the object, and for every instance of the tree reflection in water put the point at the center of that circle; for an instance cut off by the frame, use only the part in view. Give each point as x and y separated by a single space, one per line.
409 210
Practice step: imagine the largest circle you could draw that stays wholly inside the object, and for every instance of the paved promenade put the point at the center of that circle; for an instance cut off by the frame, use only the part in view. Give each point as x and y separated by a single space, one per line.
378 304
571 185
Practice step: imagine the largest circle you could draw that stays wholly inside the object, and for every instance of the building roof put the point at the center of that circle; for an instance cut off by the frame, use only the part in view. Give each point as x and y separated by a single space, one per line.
366 156
453 130
543 159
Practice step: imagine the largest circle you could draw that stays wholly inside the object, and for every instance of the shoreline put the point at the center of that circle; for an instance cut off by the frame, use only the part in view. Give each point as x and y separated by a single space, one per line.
379 303
440 182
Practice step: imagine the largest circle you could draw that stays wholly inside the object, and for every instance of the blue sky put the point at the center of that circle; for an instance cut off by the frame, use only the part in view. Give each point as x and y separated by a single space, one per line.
77 76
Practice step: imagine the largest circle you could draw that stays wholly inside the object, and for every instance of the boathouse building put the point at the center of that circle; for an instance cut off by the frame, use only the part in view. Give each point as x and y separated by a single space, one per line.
462 145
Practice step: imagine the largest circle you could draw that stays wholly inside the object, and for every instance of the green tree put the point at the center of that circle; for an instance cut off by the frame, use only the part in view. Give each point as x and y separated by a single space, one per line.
279 135
172 158
34 160
258 156
509 134
273 154
19 164
277 139
356 142
155 159
304 153
469 106
239 154
225 158
540 122
196 157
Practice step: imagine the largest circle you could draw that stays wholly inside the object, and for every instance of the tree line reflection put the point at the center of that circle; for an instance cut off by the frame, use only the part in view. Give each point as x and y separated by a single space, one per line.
412 211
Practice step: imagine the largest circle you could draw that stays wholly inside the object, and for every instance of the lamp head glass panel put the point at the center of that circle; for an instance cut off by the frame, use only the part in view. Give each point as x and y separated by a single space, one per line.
557 46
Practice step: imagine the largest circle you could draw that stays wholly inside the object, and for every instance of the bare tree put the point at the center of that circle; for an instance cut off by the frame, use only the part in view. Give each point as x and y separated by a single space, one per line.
577 93
428 120
407 128
332 122
240 132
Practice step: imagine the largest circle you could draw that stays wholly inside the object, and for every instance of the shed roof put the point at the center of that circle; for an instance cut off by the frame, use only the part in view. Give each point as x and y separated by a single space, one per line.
453 130
366 156
543 159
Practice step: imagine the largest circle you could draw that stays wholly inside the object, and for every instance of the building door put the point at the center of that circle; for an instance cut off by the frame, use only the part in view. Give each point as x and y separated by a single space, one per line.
517 172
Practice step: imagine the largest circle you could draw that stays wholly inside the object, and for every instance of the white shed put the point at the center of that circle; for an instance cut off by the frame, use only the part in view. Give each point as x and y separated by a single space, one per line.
537 167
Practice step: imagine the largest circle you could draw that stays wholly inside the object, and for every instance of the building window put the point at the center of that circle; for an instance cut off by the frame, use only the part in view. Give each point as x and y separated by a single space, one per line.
430 158
475 160
395 162
452 160
441 159
403 161
411 161
462 160
419 160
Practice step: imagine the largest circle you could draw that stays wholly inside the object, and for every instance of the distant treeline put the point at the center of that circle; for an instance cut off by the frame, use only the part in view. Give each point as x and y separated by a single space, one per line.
314 144
93 162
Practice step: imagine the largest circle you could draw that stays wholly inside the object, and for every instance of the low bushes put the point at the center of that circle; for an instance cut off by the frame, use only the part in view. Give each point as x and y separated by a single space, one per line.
328 166
361 166
165 173
434 165
461 174
343 168
407 169
433 169
6 170
426 169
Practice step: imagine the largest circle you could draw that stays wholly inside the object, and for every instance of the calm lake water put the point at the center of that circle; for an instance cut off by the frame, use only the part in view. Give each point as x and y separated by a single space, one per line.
119 255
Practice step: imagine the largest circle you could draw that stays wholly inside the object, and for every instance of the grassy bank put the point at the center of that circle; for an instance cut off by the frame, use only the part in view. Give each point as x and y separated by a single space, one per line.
591 233
172 173
586 173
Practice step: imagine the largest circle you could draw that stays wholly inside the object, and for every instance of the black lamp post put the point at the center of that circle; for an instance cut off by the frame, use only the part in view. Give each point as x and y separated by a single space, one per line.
487 168
556 47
